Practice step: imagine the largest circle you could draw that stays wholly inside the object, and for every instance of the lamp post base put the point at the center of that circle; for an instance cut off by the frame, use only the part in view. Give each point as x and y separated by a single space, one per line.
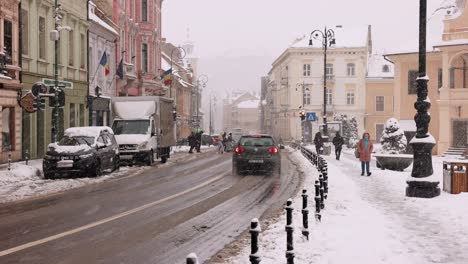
422 189
422 184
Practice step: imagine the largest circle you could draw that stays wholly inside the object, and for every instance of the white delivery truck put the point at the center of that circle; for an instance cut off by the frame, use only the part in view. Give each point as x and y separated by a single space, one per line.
143 127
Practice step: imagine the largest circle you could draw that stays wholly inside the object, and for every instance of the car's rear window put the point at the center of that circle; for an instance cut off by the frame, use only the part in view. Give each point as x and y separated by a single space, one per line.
256 141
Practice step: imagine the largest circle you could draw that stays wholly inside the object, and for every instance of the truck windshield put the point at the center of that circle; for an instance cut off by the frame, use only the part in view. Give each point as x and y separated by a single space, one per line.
130 127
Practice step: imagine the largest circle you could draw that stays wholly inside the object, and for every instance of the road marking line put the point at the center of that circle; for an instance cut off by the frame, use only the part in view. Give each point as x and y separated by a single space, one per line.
103 221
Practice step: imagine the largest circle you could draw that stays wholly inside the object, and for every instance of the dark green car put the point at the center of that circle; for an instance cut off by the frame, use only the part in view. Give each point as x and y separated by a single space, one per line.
256 153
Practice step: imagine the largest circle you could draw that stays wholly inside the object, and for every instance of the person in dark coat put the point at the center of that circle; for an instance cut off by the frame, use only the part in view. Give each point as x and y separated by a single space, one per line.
192 141
198 137
365 148
338 141
318 141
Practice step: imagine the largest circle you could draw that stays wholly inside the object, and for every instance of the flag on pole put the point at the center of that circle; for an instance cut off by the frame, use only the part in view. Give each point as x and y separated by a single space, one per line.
103 61
107 67
120 69
166 77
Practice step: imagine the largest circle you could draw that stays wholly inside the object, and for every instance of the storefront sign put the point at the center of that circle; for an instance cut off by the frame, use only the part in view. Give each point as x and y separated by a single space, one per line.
27 102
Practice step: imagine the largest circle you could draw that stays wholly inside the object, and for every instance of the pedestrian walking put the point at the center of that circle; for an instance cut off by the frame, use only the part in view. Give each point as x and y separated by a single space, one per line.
221 143
318 141
192 141
364 149
198 137
338 141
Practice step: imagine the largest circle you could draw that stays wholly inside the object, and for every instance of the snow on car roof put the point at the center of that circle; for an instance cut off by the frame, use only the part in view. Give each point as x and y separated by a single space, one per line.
92 131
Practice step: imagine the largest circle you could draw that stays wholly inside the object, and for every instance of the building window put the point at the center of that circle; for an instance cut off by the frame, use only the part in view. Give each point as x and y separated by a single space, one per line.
350 97
385 68
144 57
8 128
42 38
329 96
306 70
351 69
412 85
144 10
82 115
439 78
329 71
24 32
306 97
90 59
379 103
71 48
379 128
72 115
8 37
83 51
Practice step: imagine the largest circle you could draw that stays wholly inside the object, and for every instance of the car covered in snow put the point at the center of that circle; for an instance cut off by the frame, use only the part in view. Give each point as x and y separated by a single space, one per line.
85 151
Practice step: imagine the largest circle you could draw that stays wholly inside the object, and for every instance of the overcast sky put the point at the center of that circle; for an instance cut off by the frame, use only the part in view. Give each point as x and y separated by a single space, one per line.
228 34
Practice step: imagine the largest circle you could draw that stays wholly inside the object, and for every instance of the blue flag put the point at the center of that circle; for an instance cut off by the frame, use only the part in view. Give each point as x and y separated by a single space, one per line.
120 69
103 59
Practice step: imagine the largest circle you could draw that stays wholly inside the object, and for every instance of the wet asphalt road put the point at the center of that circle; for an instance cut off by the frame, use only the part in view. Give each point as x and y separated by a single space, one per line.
159 216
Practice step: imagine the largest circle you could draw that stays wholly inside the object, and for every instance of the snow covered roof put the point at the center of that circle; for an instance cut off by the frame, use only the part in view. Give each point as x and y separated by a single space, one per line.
93 17
345 37
408 125
379 67
92 131
248 104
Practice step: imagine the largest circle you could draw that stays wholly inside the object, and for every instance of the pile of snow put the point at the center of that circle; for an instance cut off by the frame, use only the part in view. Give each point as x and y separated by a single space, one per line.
69 149
92 131
369 220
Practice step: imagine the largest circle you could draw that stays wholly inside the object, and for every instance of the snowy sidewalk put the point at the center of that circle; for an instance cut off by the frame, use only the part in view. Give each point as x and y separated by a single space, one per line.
370 220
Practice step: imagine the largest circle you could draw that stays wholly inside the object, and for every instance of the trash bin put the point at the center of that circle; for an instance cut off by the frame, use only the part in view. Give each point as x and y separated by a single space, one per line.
455 177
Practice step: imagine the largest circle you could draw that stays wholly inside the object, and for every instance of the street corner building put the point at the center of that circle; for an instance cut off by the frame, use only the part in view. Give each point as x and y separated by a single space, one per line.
10 80
38 59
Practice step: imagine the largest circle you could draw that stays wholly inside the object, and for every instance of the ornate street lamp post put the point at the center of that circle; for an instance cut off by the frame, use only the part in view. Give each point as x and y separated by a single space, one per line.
182 54
328 39
420 184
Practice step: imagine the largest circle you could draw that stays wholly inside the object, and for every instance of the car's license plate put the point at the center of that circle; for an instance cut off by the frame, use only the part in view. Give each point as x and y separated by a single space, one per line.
65 164
126 157
255 161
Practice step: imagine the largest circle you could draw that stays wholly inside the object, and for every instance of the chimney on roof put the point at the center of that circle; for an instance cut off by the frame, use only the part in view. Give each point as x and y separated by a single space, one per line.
369 39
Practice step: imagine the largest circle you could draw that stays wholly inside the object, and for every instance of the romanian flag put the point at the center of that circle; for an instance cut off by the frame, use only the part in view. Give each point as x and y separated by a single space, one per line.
107 68
166 77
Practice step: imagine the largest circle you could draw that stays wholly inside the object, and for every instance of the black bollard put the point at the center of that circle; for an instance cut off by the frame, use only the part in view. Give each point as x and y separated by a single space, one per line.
26 156
305 215
289 233
322 203
9 160
317 201
192 258
325 183
254 231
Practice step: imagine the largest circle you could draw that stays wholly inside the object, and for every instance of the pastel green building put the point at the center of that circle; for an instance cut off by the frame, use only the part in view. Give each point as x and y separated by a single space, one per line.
38 65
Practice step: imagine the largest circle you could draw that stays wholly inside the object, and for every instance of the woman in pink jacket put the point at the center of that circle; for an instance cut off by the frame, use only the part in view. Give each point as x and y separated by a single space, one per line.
365 148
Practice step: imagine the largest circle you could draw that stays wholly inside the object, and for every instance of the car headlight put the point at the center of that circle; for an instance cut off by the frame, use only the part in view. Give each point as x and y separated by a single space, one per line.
143 145
85 156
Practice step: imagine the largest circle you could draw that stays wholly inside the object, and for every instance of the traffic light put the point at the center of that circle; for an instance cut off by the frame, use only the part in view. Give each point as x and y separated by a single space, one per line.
61 97
302 115
39 103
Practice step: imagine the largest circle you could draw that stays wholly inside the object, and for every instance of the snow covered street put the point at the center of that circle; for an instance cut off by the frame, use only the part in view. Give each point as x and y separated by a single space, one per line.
370 220
28 181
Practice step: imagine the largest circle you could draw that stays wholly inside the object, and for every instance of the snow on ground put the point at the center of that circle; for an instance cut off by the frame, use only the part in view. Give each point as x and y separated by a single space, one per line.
370 220
26 181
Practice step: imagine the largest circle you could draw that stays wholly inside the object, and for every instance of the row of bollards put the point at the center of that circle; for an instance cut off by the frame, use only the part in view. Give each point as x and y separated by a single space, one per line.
321 194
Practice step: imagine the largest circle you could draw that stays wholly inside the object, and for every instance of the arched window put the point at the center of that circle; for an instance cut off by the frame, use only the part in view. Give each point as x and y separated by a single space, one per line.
385 68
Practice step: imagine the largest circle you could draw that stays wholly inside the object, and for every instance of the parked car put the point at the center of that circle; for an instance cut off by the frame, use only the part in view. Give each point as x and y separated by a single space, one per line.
215 139
256 153
206 140
85 151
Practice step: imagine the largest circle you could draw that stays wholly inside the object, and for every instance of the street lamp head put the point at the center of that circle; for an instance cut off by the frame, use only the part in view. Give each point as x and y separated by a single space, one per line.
310 42
332 42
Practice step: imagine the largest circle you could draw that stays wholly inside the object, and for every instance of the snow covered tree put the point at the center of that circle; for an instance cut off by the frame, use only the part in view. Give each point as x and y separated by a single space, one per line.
393 139
349 127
